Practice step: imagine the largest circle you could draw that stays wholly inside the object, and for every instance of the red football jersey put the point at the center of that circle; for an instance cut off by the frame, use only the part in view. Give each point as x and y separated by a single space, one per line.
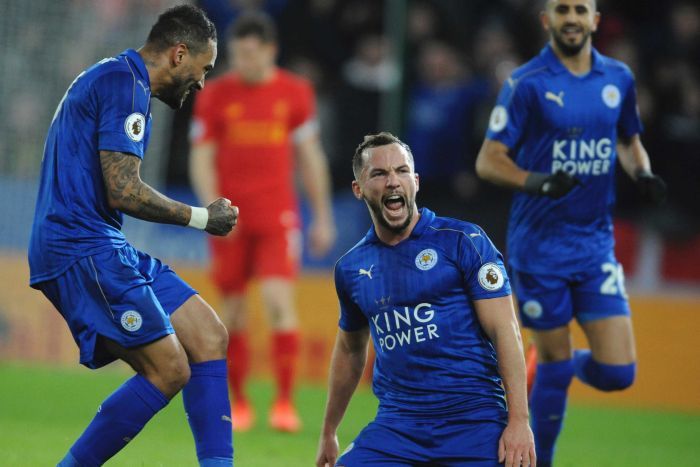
252 126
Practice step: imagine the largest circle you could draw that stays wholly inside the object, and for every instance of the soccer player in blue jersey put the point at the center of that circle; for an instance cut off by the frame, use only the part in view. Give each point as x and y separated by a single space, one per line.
560 123
119 302
433 294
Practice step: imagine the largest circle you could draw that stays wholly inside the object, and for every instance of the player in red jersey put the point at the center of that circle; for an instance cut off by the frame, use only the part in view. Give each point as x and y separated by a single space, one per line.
252 127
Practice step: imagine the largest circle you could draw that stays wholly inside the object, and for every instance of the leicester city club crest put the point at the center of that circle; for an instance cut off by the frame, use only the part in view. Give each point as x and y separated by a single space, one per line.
426 259
611 96
532 309
131 320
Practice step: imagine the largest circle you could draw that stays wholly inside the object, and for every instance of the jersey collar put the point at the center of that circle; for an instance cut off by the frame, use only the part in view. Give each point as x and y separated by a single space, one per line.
555 66
135 59
426 218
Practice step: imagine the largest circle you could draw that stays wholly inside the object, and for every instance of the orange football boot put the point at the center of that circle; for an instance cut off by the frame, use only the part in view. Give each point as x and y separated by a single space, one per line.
284 417
242 416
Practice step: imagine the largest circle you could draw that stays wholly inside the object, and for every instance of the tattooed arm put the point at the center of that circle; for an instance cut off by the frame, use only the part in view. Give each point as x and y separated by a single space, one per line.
129 194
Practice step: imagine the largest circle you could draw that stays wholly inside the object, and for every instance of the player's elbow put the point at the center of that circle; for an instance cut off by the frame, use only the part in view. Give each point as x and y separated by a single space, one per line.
114 202
483 166
118 198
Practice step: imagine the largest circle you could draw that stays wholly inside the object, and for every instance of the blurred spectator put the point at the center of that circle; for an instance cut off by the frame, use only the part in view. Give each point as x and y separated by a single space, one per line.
440 124
365 76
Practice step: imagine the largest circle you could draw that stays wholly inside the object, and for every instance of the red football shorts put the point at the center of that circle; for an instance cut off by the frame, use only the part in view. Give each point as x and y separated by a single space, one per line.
242 255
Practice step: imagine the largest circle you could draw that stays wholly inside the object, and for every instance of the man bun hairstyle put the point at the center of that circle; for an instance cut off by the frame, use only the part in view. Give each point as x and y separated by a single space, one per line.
372 141
186 24
253 24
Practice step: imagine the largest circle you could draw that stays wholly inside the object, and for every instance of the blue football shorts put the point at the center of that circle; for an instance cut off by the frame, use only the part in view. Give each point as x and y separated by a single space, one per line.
440 443
122 294
551 301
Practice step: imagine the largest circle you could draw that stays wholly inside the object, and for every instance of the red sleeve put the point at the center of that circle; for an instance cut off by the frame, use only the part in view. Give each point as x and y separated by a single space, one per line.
304 105
206 120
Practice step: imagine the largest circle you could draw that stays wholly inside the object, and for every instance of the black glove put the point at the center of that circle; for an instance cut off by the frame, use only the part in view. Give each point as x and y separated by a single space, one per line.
553 185
652 188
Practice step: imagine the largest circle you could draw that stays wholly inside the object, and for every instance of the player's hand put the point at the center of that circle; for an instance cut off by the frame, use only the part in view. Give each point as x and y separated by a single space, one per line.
321 236
327 451
517 445
651 187
222 217
554 185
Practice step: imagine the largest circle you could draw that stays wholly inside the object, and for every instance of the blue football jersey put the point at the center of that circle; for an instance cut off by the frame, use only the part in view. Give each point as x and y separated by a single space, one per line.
554 120
432 356
106 108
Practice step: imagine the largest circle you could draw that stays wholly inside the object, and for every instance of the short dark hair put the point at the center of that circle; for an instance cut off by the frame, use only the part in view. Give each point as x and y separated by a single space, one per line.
373 141
253 23
546 3
185 24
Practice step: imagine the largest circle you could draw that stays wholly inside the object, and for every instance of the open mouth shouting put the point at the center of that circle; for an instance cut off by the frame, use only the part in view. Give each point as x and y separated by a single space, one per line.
394 207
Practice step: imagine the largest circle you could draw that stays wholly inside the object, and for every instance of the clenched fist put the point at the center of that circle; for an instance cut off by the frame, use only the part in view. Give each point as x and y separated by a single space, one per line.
222 217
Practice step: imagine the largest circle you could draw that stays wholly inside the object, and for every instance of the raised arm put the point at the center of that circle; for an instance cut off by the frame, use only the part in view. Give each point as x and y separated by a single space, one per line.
497 319
128 193
313 166
347 364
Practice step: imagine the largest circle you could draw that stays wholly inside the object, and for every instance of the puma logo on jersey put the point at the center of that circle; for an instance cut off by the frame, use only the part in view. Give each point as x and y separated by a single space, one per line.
472 235
558 98
367 272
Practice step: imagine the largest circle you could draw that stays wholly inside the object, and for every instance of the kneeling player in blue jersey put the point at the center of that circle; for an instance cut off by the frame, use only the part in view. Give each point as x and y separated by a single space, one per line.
565 117
433 294
119 302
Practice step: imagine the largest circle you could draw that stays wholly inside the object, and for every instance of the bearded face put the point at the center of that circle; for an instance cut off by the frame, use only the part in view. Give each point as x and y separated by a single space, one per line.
571 38
187 74
175 94
570 24
388 185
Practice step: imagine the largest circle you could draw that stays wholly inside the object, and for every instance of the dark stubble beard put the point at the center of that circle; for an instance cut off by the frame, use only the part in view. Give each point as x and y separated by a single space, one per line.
568 49
377 211
173 95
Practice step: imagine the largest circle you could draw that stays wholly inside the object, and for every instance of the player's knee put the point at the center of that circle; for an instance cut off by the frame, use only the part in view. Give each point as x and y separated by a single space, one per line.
610 377
617 377
171 375
213 342
179 375
219 339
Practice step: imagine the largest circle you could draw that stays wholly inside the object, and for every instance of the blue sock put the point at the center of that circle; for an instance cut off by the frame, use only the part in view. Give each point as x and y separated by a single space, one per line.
120 417
602 376
548 405
68 461
209 413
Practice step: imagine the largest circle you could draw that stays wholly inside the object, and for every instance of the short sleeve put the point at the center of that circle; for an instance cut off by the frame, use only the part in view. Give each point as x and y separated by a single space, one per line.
630 123
509 116
206 121
351 318
303 116
123 113
482 267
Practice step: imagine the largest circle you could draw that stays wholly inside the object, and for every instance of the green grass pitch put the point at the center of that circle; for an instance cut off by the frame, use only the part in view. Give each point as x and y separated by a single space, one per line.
43 410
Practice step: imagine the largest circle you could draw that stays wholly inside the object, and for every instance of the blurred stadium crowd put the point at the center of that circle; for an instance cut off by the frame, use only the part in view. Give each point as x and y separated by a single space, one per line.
428 70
